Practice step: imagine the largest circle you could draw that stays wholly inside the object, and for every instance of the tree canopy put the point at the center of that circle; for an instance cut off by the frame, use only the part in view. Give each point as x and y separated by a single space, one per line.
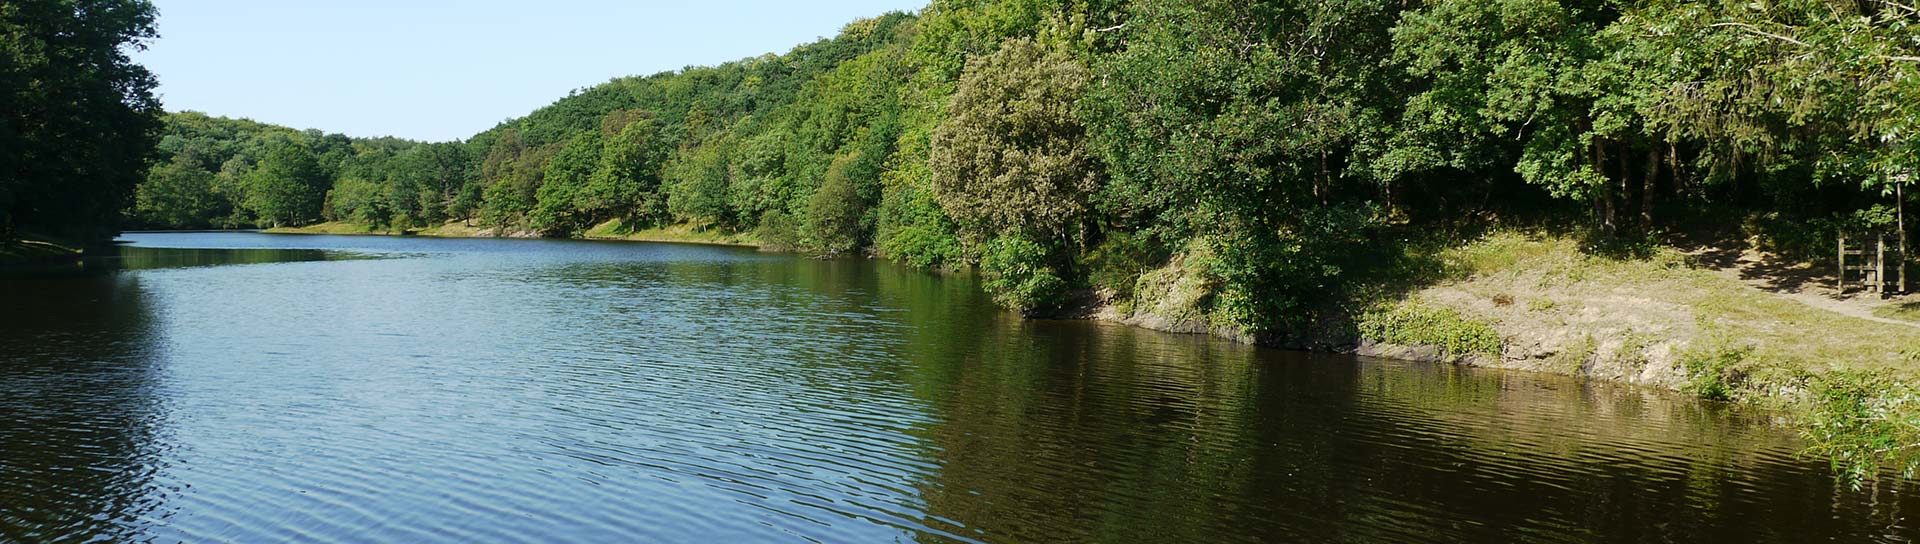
1063 146
77 115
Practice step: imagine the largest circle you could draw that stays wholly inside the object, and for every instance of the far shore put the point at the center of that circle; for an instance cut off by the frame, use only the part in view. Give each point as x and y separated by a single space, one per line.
611 231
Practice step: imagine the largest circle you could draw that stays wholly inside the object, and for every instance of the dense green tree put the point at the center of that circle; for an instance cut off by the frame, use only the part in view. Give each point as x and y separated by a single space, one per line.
1013 155
697 184
1237 125
511 175
449 175
360 201
558 210
77 116
626 185
181 194
288 186
836 211
1800 94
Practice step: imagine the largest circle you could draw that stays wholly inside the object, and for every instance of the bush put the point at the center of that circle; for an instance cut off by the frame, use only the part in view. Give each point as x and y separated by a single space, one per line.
1275 276
1714 370
911 226
1019 276
835 210
776 231
1116 264
1863 422
1415 324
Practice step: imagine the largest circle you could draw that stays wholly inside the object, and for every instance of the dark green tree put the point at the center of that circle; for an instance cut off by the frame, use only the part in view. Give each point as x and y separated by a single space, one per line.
558 211
179 194
288 187
78 118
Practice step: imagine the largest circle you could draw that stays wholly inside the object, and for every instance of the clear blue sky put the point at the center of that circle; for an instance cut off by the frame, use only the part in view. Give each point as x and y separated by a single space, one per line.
442 70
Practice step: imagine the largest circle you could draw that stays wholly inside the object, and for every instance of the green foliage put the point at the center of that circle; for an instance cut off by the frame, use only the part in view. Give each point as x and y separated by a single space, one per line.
627 183
1019 275
180 193
511 174
1013 154
1715 370
1863 422
563 205
1414 324
78 119
912 228
1115 265
359 201
1241 135
697 182
287 188
836 210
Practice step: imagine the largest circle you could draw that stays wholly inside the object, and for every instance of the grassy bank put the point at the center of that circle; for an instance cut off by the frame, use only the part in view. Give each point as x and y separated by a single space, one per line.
1656 316
331 227
678 234
1673 319
611 230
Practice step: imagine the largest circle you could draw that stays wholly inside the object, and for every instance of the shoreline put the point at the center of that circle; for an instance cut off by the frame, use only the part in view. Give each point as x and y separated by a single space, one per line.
1533 302
1844 372
29 250
671 235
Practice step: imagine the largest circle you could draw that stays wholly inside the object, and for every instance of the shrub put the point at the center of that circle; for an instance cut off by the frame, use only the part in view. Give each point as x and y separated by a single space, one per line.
1116 264
1019 276
1863 422
1416 324
834 211
1714 370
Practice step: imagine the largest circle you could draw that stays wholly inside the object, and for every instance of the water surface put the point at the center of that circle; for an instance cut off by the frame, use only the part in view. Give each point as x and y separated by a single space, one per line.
237 387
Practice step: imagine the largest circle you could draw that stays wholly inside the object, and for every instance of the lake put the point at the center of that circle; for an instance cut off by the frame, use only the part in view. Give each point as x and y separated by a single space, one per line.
242 387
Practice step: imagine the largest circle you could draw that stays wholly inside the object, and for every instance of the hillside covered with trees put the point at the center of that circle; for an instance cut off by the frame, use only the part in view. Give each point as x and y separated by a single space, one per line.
1067 146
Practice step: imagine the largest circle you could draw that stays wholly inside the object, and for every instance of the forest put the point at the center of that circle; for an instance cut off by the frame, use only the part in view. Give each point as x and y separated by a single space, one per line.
1063 147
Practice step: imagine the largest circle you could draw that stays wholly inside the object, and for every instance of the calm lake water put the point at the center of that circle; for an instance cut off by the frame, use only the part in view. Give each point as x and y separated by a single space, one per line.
262 388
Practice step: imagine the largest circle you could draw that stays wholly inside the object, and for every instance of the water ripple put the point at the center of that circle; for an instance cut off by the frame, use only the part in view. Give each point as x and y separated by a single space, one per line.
530 391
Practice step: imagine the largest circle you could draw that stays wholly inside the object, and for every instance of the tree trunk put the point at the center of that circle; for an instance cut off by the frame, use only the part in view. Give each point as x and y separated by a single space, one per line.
1600 207
1646 187
1609 209
1321 189
1623 188
1673 167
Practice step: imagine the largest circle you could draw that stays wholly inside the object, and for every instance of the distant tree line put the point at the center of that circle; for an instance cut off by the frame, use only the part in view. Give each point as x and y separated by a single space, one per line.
226 173
76 115
1064 145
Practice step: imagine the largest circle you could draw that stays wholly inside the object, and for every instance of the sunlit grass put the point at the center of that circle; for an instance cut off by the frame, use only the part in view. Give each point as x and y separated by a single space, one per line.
1904 311
330 227
686 234
1846 381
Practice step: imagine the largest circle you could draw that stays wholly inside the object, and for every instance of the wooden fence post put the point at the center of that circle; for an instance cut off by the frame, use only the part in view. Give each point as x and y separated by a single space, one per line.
1840 281
1900 222
1880 265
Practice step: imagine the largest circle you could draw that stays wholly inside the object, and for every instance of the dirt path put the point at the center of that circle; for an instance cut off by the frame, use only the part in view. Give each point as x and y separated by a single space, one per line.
1796 281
